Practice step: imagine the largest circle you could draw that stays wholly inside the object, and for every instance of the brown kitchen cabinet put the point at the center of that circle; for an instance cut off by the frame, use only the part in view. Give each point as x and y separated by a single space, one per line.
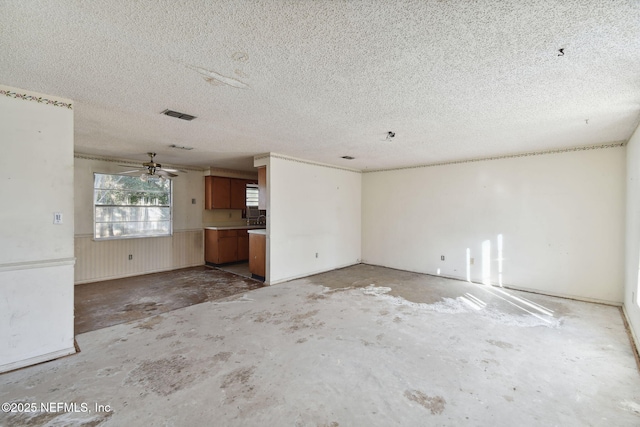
217 192
225 193
225 246
238 198
257 254
243 245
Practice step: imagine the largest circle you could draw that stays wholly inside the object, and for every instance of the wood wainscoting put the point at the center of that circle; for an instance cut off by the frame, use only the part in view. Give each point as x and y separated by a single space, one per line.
109 259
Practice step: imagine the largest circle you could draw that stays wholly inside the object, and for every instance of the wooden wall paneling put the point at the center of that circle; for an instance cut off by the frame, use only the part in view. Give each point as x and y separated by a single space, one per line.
109 259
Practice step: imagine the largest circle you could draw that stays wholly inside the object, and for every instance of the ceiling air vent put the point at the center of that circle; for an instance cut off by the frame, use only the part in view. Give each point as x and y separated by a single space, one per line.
181 147
178 115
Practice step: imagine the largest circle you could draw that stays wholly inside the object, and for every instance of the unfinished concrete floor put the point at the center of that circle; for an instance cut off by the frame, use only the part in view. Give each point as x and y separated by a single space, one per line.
111 302
360 346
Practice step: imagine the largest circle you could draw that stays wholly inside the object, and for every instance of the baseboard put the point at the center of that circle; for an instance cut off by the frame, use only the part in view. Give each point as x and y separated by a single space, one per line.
565 296
633 337
35 360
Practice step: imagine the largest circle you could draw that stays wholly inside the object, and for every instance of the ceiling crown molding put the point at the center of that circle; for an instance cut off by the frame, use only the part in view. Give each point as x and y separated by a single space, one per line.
308 162
616 144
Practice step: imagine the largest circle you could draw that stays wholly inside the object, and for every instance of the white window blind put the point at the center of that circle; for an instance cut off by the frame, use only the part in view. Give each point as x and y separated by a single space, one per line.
252 195
126 206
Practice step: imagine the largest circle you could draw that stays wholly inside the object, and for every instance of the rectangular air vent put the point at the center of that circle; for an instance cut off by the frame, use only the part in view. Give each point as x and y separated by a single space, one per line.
180 147
178 115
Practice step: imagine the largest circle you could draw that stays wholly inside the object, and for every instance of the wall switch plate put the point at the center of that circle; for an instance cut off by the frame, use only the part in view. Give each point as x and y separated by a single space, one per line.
470 261
57 217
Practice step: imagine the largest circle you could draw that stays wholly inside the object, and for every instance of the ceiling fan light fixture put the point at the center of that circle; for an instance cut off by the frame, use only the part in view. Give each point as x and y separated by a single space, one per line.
152 169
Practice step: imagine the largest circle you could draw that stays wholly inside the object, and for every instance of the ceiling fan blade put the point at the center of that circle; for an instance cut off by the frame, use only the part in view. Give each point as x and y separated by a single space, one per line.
173 170
151 166
163 172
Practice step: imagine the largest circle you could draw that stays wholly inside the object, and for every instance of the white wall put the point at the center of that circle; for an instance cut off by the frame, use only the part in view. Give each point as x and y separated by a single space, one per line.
312 209
109 259
560 217
632 262
36 256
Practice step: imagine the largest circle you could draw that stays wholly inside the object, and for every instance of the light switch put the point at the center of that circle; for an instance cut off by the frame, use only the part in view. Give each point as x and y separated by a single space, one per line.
57 217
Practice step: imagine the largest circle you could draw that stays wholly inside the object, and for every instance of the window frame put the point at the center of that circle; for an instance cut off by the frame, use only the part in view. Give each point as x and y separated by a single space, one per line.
100 239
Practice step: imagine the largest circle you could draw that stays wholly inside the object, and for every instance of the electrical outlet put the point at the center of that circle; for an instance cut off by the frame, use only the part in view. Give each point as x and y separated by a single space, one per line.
316 254
57 217
442 258
193 201
130 257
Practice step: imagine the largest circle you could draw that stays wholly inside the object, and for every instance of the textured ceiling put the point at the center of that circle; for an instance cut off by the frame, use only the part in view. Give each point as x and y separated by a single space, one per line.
322 79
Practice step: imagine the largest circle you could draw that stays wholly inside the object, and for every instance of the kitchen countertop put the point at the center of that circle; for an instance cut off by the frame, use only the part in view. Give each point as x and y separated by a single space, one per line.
237 227
259 231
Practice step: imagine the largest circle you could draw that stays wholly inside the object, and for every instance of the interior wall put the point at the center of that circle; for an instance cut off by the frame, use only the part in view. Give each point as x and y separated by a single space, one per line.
109 259
222 217
36 255
632 244
313 209
558 218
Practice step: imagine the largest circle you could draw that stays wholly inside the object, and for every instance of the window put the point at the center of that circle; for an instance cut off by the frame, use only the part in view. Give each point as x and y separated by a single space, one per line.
252 195
126 206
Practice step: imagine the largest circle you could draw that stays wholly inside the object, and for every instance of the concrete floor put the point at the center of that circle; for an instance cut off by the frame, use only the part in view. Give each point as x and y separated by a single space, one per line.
111 302
361 346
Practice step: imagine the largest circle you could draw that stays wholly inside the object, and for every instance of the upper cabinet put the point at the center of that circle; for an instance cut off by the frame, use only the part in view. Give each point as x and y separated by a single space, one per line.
225 193
238 197
262 188
217 192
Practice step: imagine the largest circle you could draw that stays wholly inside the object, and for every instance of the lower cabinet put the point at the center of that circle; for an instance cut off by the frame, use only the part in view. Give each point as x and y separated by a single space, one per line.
258 244
243 245
224 246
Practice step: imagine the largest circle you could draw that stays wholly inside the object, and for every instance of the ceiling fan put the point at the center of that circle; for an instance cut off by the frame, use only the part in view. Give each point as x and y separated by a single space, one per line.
151 169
